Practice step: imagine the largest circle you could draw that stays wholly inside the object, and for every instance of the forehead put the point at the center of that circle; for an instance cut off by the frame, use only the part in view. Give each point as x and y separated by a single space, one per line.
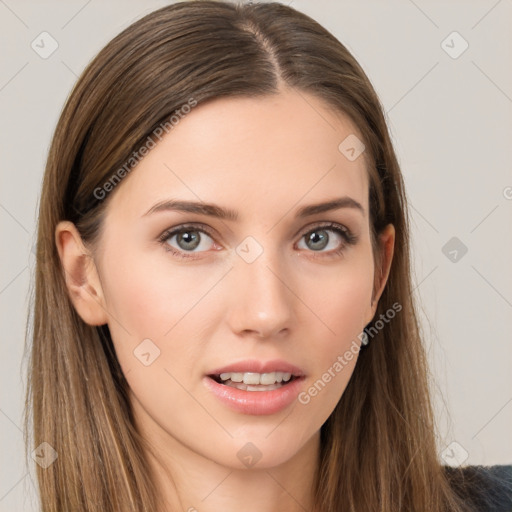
261 153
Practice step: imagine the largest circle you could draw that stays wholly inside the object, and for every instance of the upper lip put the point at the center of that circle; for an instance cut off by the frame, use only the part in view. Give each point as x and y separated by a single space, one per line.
256 366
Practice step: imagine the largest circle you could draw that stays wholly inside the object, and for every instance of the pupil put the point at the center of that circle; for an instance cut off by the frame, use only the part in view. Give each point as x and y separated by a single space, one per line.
188 240
319 239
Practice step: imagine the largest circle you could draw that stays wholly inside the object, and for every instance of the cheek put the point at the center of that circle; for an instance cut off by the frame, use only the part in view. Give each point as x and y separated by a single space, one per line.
181 308
340 301
344 304
149 298
144 293
340 307
152 298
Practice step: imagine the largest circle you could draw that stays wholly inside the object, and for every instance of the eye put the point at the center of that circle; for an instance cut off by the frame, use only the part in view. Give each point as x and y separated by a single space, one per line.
327 238
186 239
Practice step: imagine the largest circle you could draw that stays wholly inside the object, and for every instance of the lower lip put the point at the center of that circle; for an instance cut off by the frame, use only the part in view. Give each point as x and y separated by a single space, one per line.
255 402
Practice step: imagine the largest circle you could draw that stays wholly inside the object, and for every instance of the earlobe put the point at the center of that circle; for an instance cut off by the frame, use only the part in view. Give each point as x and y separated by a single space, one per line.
81 275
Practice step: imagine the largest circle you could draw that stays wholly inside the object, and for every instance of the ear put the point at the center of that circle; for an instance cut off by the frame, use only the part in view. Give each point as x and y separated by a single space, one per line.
81 275
386 246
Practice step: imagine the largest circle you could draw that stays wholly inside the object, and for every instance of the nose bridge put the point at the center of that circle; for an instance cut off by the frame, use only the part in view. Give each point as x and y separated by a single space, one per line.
262 301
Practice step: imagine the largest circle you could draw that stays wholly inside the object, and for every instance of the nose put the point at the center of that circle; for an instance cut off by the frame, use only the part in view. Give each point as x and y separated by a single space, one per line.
262 303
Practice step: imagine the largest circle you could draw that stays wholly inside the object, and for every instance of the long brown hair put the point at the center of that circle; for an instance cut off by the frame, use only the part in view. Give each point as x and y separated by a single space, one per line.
378 450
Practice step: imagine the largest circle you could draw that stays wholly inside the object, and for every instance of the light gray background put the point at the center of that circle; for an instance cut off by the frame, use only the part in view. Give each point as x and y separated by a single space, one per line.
451 122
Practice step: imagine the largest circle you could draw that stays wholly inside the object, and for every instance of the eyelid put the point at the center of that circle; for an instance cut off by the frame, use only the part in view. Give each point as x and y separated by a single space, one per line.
198 226
350 238
324 224
204 227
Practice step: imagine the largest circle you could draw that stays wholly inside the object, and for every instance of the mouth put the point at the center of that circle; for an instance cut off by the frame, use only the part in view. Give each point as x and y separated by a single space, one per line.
255 387
251 381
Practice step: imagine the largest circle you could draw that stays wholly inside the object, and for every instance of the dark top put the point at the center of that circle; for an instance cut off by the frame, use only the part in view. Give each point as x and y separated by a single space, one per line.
487 488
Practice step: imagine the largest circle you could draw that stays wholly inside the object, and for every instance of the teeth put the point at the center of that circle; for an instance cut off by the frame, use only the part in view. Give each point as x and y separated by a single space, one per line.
245 387
254 379
265 378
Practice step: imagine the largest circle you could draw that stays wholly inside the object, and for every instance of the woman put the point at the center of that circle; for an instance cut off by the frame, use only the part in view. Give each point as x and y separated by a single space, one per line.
223 315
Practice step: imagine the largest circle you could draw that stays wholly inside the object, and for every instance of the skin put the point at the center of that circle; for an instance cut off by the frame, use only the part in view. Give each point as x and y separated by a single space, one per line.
265 158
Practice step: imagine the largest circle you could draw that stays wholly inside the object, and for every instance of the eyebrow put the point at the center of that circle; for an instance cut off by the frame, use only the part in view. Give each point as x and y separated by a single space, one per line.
213 210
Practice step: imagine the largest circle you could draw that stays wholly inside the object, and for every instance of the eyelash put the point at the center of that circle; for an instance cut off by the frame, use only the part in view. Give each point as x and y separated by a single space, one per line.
349 238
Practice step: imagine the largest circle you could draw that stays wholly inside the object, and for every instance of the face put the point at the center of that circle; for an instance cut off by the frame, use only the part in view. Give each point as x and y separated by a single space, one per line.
233 322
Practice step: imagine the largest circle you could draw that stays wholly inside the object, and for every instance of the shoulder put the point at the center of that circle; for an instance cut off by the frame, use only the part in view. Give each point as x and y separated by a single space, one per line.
488 488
